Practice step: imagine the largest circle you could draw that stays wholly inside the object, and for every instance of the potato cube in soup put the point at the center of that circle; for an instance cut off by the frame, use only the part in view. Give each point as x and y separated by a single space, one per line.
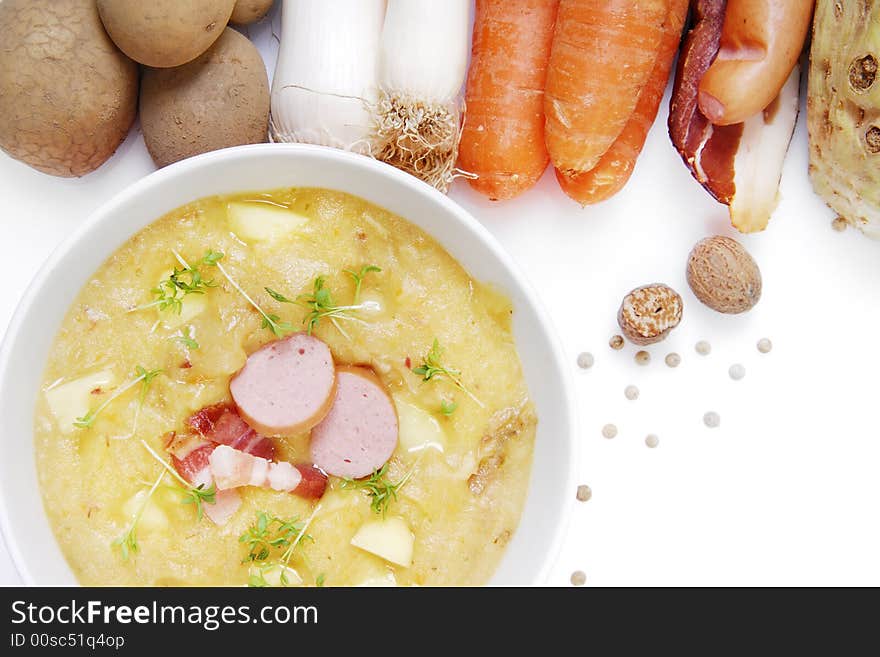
418 429
263 222
194 306
73 399
152 517
390 539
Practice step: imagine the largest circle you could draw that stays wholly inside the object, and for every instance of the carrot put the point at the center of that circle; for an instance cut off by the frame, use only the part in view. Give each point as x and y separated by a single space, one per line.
602 56
503 138
616 166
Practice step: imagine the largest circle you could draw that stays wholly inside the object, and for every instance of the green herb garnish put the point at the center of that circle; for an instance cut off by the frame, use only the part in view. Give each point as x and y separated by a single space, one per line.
269 532
143 377
271 322
359 279
146 379
257 578
319 580
320 301
320 304
433 368
267 535
280 298
447 407
212 257
127 543
378 487
186 339
198 495
183 281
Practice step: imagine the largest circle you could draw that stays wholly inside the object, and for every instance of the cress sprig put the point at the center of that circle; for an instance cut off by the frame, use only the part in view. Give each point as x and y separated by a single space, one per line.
359 279
186 339
432 367
320 302
197 495
182 282
271 322
380 488
127 543
143 377
269 534
448 406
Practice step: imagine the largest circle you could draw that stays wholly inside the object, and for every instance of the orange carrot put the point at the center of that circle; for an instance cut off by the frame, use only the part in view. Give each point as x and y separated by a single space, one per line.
602 56
616 166
502 142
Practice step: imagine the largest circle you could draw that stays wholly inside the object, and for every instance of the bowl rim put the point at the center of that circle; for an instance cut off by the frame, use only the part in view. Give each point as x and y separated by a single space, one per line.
487 240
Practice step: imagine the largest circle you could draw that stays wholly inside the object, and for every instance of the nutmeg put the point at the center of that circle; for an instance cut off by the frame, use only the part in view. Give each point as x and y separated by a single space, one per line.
649 313
723 275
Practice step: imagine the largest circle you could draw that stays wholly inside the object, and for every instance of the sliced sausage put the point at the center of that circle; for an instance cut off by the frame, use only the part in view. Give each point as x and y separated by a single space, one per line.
232 469
359 433
287 386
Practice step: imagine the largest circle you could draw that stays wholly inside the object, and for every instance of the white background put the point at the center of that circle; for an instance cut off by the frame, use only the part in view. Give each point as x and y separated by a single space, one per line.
785 492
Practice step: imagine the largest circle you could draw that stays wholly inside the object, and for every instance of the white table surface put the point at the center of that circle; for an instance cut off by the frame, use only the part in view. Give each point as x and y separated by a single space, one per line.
785 492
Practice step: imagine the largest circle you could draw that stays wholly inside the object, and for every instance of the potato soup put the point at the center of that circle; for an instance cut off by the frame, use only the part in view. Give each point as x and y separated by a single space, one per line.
285 388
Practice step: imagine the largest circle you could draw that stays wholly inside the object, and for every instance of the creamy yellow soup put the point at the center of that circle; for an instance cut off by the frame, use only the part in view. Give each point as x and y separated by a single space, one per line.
465 454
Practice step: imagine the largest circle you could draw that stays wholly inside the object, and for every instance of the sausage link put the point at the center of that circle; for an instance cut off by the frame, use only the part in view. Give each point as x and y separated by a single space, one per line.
761 41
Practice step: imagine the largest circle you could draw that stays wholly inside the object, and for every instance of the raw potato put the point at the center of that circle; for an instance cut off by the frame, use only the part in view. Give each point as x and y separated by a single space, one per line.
723 275
165 33
843 110
250 11
67 95
219 100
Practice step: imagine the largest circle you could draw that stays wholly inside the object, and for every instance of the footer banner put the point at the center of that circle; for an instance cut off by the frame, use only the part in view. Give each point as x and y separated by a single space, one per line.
134 619
246 621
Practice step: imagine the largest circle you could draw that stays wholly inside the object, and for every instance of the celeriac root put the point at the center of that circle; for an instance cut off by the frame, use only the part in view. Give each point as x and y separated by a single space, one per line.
417 137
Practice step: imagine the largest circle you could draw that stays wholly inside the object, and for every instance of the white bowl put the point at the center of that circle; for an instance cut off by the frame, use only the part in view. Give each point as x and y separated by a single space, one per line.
535 544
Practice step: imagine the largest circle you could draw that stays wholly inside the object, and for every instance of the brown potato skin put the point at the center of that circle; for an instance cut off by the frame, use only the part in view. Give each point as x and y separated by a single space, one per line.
164 33
250 11
68 96
220 99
